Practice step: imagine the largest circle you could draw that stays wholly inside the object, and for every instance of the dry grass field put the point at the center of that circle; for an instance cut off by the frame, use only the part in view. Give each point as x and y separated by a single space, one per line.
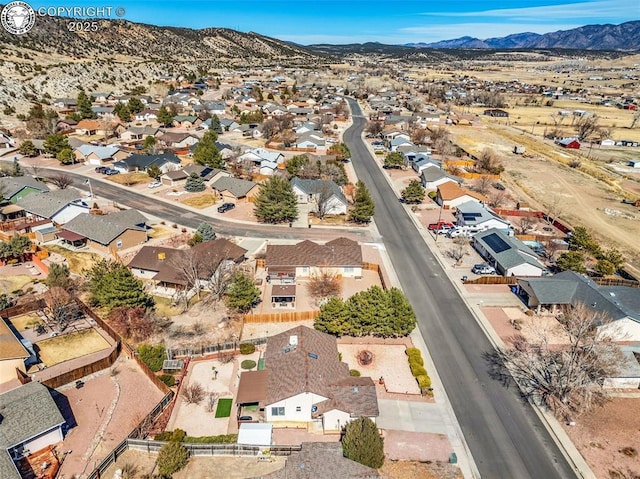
69 346
201 201
78 261
26 321
129 179
14 283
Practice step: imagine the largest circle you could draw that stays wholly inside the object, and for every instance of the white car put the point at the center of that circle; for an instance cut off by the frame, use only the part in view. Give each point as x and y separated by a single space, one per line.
154 184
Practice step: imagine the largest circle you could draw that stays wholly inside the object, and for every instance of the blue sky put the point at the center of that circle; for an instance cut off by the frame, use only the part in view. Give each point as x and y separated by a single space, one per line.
390 21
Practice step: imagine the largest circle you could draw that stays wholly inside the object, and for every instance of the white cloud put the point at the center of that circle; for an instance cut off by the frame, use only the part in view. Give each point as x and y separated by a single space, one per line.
573 11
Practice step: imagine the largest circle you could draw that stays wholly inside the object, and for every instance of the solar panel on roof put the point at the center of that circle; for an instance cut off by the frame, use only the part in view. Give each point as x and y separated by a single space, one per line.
497 244
470 216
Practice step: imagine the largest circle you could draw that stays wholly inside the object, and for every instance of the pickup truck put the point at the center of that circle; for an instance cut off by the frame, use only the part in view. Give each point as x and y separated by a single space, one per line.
439 225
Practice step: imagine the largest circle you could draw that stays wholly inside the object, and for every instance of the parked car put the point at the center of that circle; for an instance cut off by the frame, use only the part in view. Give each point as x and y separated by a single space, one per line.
102 169
154 184
499 186
439 225
444 229
223 208
111 172
483 268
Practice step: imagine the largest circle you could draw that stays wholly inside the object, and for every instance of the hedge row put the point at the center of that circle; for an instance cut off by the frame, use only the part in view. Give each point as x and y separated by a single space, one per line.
416 364
180 436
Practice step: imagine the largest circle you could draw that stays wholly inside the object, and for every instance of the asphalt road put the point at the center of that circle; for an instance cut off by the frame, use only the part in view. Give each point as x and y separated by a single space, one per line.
174 213
506 438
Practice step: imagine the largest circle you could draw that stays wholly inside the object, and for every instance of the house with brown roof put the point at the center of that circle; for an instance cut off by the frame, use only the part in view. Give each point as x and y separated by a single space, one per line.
235 190
12 354
162 265
341 256
450 195
304 381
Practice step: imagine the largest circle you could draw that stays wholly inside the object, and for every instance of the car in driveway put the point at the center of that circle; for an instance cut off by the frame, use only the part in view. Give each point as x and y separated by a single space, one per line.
111 172
154 184
439 225
483 268
102 169
444 229
224 207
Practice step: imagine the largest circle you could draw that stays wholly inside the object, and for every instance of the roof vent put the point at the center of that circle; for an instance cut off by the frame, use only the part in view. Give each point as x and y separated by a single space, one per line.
162 256
612 294
313 355
293 340
355 389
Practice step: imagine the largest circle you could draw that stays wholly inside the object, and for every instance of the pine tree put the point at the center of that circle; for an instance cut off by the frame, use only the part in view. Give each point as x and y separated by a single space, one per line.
362 443
215 124
194 183
276 202
206 152
113 285
206 231
242 293
334 318
123 111
413 193
164 116
28 149
84 105
17 169
59 276
363 207
135 105
172 457
394 160
154 170
55 143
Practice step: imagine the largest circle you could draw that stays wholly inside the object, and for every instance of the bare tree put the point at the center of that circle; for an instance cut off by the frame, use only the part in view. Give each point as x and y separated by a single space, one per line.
496 199
490 162
526 223
567 378
61 308
482 185
551 247
212 397
322 198
587 126
219 281
323 285
194 393
636 118
553 209
61 180
459 250
420 136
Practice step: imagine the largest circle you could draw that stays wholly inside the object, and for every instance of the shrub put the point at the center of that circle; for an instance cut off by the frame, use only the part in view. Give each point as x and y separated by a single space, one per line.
424 381
248 364
222 439
194 393
354 373
417 370
152 356
172 457
415 356
168 379
247 348
362 443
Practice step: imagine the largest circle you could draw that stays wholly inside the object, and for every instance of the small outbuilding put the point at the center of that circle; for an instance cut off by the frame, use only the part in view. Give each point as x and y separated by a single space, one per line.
255 434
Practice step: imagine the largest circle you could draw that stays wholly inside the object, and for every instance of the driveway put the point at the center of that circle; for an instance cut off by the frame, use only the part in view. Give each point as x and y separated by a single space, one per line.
413 416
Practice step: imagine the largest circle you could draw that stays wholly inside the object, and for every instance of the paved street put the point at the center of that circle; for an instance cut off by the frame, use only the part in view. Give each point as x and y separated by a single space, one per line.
504 435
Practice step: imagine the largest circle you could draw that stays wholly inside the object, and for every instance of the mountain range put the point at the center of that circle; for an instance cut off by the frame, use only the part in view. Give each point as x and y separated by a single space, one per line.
623 37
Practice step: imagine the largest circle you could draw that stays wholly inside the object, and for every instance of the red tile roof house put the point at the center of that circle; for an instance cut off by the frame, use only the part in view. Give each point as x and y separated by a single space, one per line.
450 195
305 382
161 265
341 256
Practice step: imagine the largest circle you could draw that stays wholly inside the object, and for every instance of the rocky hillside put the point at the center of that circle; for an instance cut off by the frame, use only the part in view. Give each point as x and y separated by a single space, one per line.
623 37
122 38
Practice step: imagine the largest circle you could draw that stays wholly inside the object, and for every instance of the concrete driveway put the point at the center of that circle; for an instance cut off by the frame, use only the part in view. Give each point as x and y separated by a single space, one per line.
413 416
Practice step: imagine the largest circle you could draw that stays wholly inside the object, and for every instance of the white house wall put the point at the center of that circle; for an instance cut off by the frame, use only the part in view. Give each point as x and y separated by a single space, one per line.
625 329
334 420
335 207
525 269
305 272
69 212
622 383
304 401
52 437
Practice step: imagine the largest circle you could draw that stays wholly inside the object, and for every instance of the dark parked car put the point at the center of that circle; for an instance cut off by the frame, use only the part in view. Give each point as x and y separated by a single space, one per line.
226 207
102 169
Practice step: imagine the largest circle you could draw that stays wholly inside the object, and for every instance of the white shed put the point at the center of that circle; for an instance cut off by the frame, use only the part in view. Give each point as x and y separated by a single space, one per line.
255 434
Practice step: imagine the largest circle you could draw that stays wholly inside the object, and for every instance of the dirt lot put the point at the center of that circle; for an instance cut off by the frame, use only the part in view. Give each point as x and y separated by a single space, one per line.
414 470
68 346
602 436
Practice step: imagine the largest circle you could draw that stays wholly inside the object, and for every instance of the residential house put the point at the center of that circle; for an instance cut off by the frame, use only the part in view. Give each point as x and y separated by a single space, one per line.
95 127
634 163
103 111
162 265
6 141
165 161
31 421
310 140
341 256
310 191
137 133
235 190
628 376
496 113
267 167
568 288
450 195
65 103
174 178
178 140
60 206
478 216
399 141
569 143
99 155
423 162
257 155
306 127
431 178
12 354
508 255
102 97
207 173
229 124
304 382
186 121
66 125
111 232
15 188
147 115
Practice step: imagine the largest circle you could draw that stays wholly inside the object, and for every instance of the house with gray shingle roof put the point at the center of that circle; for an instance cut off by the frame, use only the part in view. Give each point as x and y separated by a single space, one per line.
60 206
508 255
30 421
480 217
235 190
431 178
620 303
15 188
327 191
303 380
115 231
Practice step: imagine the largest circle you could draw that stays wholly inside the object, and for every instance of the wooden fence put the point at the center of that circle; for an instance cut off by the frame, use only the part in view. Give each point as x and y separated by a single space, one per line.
617 282
376 267
84 370
23 308
283 317
511 280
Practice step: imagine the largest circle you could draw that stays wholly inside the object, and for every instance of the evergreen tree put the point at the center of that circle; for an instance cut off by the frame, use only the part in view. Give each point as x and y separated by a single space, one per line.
165 117
59 276
571 260
363 207
296 163
362 443
123 112
242 293
334 318
276 202
154 171
17 169
84 105
216 125
413 193
149 143
135 105
394 160
172 457
55 143
206 152
113 285
28 149
194 183
66 156
205 230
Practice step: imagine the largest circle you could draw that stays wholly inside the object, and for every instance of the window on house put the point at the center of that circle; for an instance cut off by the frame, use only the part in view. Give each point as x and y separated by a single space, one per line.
277 411
298 408
349 270
119 243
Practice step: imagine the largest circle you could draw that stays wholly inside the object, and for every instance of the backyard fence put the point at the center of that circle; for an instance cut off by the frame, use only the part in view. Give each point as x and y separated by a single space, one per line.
84 370
617 282
511 280
376 267
23 308
212 348
283 317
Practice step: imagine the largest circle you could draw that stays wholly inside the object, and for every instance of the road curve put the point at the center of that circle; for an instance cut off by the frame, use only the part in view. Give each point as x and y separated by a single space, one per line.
506 438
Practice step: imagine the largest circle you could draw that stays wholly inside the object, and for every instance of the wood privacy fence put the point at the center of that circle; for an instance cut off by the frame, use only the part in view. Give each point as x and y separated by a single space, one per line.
84 370
23 308
376 267
283 317
511 280
617 282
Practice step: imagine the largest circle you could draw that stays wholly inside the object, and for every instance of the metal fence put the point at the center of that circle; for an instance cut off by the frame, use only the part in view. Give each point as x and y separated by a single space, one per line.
212 348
